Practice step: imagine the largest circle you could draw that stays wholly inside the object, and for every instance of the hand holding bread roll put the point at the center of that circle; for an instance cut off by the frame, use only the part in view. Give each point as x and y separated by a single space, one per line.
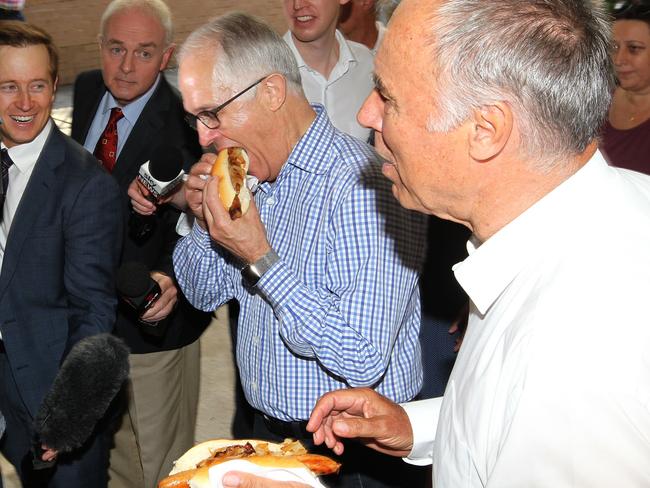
231 167
191 469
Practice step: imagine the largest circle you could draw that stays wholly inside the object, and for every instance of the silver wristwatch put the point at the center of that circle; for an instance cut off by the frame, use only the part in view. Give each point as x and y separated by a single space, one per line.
254 271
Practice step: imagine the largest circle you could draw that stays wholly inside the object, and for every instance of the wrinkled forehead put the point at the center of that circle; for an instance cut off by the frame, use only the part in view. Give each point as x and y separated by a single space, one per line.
197 83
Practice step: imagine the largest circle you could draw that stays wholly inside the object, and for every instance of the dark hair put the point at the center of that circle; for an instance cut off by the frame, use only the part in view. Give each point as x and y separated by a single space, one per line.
632 10
15 33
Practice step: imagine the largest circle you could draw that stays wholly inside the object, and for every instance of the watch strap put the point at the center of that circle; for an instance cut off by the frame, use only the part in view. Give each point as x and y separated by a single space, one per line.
254 271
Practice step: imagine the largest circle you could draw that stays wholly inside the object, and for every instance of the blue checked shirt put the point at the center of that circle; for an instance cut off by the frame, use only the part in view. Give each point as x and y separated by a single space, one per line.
342 307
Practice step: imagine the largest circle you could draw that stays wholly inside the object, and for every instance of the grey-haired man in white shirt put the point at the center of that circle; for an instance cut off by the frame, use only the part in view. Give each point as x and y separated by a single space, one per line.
488 114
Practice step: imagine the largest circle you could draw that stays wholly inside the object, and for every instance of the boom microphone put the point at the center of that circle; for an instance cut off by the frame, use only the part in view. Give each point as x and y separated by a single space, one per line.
90 377
136 287
160 175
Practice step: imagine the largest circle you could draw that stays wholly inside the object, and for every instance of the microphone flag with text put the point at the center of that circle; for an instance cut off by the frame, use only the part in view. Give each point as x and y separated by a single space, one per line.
162 174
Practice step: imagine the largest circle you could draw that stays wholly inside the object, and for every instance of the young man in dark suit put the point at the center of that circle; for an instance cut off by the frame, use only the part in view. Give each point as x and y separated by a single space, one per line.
59 248
135 45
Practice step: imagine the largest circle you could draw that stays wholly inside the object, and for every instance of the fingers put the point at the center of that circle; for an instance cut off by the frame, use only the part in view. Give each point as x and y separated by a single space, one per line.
213 209
239 479
333 403
195 183
48 454
165 304
332 409
138 194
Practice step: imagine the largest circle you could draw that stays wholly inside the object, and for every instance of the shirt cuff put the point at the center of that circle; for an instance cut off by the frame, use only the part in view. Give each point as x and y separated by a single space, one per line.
184 224
423 415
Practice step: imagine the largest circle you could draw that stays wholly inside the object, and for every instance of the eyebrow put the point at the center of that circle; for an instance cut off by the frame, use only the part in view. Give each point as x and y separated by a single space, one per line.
379 86
35 80
121 43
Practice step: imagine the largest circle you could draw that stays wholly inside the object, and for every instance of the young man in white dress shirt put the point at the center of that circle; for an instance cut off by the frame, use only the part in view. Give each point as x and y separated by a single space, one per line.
335 73
488 113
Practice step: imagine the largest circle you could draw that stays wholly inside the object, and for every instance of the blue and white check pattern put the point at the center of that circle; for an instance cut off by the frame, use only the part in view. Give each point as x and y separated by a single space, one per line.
342 307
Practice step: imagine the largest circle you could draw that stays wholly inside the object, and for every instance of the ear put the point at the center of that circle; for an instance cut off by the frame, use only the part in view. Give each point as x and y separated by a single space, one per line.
273 91
167 56
490 131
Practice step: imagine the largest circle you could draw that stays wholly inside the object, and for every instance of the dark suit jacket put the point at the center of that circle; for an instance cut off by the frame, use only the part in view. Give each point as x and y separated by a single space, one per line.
57 279
160 123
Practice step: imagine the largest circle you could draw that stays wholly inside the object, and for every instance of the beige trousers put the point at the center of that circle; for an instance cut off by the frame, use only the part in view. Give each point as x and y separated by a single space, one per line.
158 426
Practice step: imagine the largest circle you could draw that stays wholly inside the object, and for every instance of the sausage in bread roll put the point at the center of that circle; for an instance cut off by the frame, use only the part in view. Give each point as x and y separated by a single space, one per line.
231 167
191 469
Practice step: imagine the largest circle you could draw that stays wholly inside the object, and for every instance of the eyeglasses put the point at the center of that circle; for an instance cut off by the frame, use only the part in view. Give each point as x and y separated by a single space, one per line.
631 9
210 118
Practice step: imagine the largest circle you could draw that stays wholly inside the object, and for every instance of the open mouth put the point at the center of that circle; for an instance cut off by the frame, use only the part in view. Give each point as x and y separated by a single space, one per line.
305 18
22 119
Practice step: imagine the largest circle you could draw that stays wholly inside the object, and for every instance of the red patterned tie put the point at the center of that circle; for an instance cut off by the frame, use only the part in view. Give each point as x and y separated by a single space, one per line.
106 149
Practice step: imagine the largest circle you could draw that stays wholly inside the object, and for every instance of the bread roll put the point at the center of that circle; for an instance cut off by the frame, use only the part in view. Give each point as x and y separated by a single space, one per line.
231 167
191 469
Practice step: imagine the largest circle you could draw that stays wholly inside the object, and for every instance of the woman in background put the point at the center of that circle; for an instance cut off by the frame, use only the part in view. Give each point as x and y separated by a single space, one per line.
626 133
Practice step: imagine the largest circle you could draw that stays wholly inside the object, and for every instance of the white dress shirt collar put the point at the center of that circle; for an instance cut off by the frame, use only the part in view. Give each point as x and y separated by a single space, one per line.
346 56
492 265
24 156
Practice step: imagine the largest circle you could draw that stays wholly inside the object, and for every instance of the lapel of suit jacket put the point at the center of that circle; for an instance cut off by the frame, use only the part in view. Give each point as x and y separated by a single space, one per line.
150 124
36 195
86 113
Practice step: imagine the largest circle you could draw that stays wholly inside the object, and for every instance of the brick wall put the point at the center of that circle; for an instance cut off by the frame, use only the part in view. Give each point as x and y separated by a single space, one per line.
74 24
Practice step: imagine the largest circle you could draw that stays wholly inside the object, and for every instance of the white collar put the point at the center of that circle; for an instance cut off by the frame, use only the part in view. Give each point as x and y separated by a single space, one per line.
25 155
346 56
492 265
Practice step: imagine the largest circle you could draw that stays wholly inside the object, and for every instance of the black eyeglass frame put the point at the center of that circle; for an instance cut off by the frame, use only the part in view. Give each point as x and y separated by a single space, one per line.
212 115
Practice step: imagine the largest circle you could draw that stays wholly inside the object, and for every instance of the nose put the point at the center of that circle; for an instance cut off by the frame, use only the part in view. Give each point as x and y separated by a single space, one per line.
298 4
619 56
372 112
24 101
207 137
126 66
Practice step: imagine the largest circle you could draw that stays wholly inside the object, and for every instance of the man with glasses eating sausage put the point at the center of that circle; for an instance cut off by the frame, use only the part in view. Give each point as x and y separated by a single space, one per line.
324 264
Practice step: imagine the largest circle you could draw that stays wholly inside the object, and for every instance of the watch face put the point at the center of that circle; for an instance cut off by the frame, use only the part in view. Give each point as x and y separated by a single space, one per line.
251 275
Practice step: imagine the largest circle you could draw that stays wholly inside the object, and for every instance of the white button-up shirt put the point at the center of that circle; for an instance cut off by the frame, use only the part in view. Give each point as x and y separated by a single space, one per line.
347 87
551 387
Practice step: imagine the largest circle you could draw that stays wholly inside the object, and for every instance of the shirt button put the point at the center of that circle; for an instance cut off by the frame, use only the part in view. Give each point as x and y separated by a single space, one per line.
270 201
256 340
254 385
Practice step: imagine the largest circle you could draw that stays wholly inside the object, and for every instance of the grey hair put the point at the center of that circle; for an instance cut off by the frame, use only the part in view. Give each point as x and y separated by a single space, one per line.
157 8
245 49
548 59
384 9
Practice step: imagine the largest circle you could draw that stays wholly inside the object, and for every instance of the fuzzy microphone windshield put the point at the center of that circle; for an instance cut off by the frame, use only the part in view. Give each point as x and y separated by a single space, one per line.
90 377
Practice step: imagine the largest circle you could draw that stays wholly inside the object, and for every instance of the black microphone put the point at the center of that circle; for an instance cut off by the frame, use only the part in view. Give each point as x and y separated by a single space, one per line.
89 378
160 175
136 288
